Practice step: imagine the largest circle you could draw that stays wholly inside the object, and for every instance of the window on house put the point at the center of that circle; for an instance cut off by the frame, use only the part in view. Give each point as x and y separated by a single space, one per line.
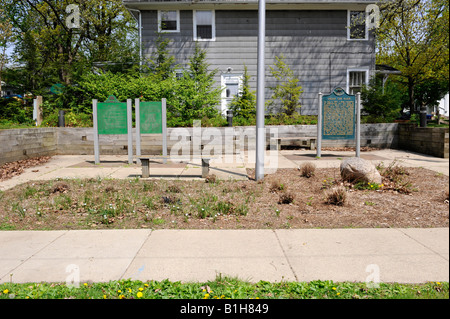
356 80
204 28
356 28
169 21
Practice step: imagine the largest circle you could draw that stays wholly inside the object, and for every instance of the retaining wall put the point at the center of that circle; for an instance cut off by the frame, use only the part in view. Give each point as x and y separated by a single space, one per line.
428 140
19 144
26 143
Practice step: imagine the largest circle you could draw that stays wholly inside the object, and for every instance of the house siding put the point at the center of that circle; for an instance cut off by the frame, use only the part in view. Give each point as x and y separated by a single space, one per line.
313 42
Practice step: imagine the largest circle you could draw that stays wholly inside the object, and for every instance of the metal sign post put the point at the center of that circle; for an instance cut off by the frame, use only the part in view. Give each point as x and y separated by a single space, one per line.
260 103
319 128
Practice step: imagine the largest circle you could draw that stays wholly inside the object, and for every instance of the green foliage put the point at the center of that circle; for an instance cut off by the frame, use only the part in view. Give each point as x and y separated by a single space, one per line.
414 38
224 287
244 104
16 111
287 92
382 106
162 63
195 95
294 119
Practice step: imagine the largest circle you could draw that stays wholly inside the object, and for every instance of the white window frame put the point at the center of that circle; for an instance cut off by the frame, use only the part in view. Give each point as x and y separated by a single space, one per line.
366 36
169 31
366 70
213 25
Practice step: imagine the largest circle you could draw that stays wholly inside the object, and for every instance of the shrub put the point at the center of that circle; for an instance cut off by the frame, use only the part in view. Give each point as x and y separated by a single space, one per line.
381 106
287 92
307 169
336 196
244 104
211 179
286 198
277 186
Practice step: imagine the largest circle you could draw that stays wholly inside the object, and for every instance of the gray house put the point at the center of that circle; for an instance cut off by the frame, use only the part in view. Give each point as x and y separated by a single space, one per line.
325 42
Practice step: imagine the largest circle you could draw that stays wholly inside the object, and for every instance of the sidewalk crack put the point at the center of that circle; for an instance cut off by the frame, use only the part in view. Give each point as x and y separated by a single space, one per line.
285 255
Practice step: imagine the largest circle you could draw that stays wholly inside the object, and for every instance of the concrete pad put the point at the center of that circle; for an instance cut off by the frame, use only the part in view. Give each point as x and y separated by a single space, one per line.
126 172
198 255
165 172
16 247
79 173
353 254
225 173
98 255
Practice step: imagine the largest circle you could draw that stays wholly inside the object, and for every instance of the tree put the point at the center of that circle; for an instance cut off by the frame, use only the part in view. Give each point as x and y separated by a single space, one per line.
382 105
244 104
287 92
162 63
413 38
5 39
56 52
198 96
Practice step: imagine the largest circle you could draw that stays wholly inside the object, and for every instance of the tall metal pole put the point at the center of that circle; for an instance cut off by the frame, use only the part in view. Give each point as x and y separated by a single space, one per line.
358 124
319 128
260 102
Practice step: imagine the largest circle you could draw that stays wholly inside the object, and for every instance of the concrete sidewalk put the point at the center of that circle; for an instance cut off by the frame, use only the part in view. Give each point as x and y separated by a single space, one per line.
392 255
396 255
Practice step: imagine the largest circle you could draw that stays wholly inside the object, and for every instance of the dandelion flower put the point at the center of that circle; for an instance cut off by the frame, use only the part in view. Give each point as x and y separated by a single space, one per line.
334 288
140 289
139 294
5 291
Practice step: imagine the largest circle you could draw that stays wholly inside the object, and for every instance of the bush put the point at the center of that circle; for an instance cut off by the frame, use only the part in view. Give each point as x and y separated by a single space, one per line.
307 169
381 106
286 198
336 196
244 104
294 119
16 111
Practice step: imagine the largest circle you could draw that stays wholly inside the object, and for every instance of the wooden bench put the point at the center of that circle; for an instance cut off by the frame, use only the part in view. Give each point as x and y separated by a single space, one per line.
145 163
305 141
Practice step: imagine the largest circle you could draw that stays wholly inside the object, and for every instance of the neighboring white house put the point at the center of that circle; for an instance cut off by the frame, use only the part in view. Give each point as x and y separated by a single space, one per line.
443 106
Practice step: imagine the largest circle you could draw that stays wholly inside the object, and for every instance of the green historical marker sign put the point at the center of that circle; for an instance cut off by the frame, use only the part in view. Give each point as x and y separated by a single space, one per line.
112 117
151 117
338 116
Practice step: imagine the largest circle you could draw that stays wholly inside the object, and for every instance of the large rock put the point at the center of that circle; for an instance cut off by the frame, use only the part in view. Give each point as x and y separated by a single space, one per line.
356 169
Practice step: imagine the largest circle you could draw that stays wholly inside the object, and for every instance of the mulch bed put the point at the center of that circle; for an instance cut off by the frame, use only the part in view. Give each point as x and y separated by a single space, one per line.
9 170
282 200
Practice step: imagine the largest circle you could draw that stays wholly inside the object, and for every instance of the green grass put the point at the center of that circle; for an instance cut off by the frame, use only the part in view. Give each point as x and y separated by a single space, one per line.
224 288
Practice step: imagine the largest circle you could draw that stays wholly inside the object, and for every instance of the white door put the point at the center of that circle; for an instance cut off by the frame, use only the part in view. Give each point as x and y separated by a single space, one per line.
232 84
